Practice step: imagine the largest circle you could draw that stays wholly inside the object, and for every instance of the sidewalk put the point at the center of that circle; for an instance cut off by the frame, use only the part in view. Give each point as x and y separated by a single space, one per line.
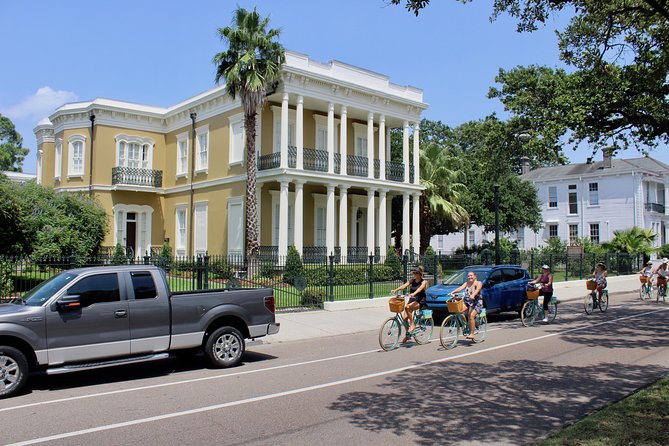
353 316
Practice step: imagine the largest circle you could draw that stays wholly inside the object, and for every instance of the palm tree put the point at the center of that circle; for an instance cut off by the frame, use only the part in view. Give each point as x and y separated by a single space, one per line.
634 241
443 191
250 66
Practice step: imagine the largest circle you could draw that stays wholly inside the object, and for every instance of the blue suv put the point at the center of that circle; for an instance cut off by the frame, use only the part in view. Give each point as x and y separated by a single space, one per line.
504 287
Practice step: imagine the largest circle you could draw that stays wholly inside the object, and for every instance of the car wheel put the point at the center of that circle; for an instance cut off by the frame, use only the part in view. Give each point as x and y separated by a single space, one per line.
225 347
13 371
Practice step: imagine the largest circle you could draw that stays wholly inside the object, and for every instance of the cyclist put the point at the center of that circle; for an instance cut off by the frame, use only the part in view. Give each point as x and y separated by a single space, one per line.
600 278
546 279
662 274
473 300
647 271
417 287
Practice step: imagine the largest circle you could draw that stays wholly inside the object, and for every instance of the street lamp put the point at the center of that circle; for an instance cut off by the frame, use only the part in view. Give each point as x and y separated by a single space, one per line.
497 253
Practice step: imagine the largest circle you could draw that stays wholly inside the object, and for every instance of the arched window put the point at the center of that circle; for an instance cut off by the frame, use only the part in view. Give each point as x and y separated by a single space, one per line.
75 157
134 151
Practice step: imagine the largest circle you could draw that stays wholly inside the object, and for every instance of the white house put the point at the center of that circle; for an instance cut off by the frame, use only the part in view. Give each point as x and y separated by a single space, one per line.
588 200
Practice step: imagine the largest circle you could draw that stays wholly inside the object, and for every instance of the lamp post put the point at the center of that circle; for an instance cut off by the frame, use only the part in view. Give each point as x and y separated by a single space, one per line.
497 253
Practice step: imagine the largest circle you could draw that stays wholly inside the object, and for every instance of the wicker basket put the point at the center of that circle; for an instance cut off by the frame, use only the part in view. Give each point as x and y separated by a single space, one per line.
661 280
591 285
643 279
456 305
532 294
396 304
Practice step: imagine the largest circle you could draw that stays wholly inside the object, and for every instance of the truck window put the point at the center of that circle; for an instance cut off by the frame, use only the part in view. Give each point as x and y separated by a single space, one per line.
143 284
96 289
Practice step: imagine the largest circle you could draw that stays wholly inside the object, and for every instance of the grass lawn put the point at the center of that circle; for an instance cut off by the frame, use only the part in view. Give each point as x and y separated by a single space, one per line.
641 419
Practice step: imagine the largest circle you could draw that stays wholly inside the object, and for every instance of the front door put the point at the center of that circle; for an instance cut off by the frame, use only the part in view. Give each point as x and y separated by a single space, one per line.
131 234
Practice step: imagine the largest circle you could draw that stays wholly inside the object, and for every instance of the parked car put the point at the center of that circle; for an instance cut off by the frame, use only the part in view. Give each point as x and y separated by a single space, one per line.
504 288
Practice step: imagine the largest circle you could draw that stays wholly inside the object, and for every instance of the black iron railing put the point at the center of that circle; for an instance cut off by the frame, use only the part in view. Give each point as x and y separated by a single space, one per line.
356 165
655 207
394 171
137 177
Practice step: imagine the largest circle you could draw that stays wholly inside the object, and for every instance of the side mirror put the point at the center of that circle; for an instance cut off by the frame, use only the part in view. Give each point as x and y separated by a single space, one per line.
489 283
69 302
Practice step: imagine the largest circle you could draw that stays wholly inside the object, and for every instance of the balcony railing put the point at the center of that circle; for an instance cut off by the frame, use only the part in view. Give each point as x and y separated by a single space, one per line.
655 207
137 177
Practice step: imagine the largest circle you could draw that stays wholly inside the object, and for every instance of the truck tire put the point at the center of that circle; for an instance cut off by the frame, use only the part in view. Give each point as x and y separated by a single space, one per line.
13 371
224 347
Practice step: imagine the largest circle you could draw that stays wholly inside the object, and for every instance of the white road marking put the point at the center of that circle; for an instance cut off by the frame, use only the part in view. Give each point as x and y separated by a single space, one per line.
315 387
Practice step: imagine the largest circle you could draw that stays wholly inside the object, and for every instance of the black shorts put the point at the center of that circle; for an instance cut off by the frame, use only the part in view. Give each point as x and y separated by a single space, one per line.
420 300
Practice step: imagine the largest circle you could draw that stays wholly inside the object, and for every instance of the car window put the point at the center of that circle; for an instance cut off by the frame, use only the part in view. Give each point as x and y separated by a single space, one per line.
460 277
497 276
511 274
96 289
143 285
45 290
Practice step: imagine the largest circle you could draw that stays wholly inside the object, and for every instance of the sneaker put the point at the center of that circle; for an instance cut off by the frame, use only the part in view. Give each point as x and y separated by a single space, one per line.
545 319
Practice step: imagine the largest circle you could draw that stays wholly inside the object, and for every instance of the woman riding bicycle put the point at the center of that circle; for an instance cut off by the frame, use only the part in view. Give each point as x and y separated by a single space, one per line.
662 274
473 300
647 271
600 278
546 279
416 296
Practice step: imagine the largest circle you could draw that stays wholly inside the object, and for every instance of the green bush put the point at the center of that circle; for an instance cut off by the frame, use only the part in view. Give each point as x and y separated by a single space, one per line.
294 267
6 284
220 269
393 262
165 257
313 297
267 270
119 257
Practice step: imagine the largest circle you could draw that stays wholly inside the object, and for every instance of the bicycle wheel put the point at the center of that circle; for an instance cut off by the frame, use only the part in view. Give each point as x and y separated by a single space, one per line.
389 334
604 301
424 328
448 333
660 294
588 303
528 314
481 329
552 311
642 292
648 291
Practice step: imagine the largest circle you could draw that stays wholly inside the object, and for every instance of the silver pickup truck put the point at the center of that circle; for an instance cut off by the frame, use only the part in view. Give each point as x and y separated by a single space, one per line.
104 316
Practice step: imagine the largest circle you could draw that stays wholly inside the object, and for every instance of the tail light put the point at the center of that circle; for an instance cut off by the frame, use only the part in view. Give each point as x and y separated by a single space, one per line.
269 304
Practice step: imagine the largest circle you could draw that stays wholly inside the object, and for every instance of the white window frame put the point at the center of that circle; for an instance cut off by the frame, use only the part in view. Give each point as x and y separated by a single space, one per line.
144 219
275 194
182 158
322 125
570 191
554 188
58 159
40 153
127 140
599 232
292 128
593 194
202 156
181 233
232 237
236 153
548 230
572 237
73 142
320 203
200 228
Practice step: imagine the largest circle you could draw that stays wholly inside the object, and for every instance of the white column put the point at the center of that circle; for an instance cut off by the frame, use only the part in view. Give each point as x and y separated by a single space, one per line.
343 142
370 220
330 141
298 221
405 152
416 223
284 132
259 212
405 221
382 152
382 221
330 220
343 219
389 211
388 144
416 153
370 147
299 133
283 218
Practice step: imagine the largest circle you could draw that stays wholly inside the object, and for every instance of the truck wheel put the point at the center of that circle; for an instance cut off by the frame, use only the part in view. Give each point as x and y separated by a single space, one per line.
225 347
13 371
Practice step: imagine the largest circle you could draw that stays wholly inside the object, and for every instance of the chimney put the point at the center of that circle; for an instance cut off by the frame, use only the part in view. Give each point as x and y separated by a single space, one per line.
524 165
608 156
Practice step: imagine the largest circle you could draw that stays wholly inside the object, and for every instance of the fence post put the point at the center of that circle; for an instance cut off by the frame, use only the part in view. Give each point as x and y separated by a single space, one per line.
331 279
198 272
405 264
370 275
146 259
206 271
72 261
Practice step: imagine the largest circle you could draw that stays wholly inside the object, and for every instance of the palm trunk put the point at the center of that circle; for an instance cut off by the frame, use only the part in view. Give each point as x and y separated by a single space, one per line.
251 203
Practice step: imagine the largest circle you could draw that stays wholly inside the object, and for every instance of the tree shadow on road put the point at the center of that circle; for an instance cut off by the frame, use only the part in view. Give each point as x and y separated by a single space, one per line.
512 402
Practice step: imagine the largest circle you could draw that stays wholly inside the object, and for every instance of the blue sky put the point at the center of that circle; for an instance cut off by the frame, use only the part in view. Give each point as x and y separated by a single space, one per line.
159 52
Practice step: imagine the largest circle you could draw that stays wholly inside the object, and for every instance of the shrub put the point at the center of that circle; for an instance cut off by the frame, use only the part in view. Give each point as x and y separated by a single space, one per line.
393 262
220 268
6 284
119 257
294 267
165 257
267 270
313 297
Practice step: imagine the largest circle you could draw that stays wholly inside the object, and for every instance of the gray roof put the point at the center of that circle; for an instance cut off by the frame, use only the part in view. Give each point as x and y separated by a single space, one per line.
19 177
618 166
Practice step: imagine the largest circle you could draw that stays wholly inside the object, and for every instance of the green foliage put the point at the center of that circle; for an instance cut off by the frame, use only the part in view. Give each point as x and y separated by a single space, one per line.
293 266
12 152
13 230
221 268
267 269
6 284
634 240
348 274
663 251
393 263
119 257
165 256
313 297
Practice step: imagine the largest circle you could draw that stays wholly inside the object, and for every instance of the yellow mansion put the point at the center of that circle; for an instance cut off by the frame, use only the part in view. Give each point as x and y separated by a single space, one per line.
325 175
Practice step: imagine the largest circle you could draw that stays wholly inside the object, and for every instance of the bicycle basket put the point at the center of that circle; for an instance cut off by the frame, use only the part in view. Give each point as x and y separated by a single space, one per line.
661 280
456 305
643 279
591 285
396 304
532 294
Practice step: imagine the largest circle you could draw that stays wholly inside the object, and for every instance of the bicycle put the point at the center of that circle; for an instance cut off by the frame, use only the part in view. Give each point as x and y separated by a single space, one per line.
661 290
532 311
455 324
646 290
592 300
391 329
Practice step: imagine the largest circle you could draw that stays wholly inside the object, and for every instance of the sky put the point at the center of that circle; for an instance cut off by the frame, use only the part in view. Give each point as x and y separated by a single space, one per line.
159 52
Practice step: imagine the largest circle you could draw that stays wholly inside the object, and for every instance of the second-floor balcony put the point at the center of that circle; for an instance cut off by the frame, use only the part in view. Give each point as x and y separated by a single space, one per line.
317 160
132 176
655 207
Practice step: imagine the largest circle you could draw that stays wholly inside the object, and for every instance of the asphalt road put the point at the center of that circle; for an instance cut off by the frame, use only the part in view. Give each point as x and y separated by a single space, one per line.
514 388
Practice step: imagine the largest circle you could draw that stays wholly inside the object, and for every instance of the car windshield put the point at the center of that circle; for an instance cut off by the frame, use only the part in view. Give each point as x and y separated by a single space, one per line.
461 277
42 292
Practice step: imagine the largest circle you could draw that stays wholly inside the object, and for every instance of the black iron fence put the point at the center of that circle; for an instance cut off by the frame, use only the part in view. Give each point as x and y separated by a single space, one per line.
299 284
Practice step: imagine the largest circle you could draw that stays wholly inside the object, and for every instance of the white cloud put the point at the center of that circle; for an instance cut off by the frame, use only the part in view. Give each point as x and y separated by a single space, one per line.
38 105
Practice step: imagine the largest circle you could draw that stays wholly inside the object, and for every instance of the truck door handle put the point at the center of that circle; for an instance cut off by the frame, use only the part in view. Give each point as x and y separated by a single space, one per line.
120 313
